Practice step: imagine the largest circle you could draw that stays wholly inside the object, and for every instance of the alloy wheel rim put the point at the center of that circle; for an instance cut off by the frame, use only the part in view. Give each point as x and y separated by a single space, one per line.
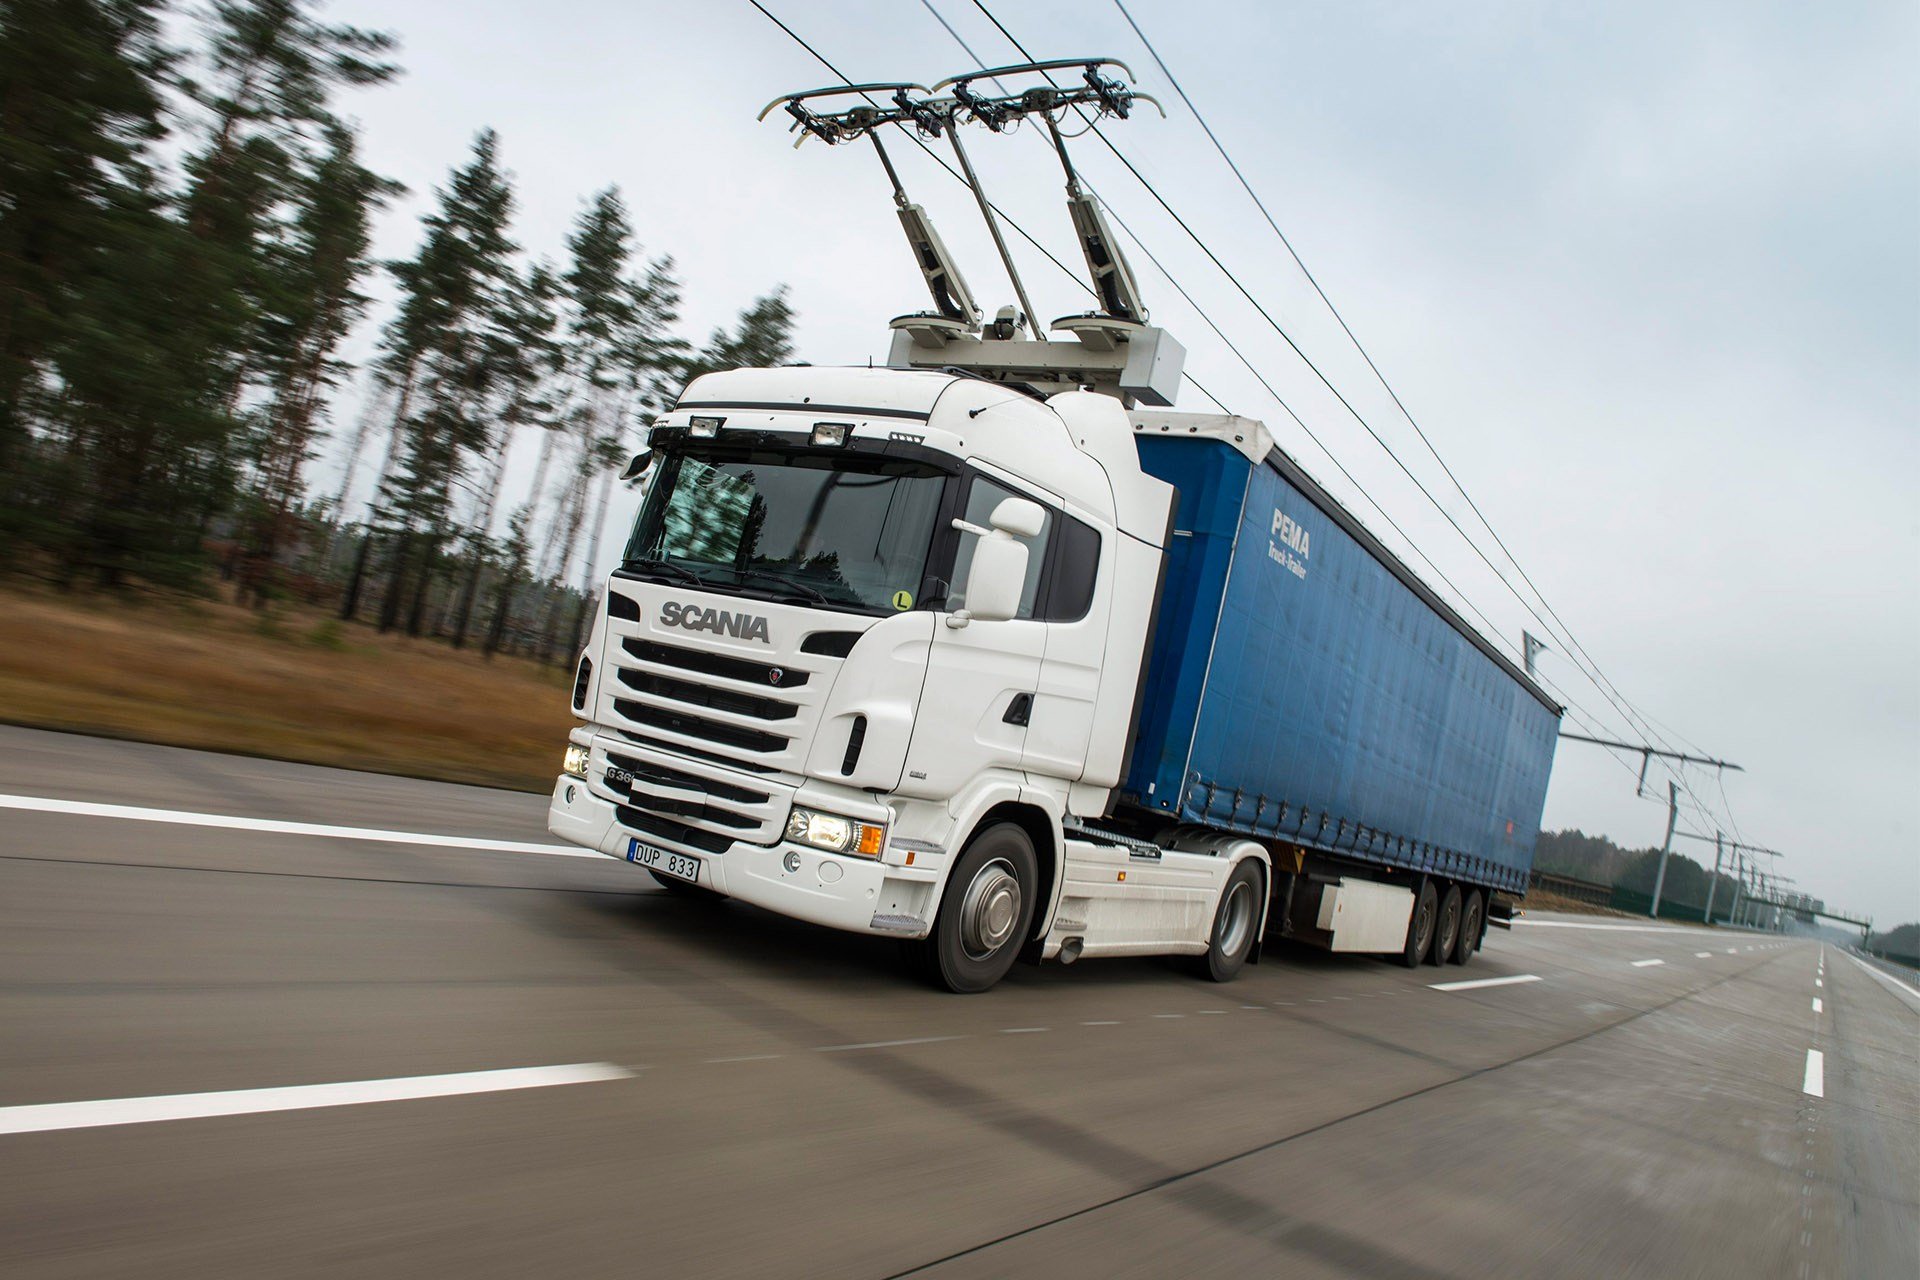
990 911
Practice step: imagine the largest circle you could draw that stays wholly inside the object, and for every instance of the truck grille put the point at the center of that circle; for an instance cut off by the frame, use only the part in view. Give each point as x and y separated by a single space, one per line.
668 800
706 705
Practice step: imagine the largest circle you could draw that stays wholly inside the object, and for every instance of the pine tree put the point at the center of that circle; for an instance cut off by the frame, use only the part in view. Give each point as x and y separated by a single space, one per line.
762 339
80 86
314 306
455 364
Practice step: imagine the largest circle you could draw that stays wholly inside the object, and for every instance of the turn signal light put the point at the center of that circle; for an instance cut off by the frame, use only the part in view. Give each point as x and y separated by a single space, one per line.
871 838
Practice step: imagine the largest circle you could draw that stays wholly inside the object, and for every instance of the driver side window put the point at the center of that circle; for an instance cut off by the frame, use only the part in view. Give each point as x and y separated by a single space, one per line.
983 495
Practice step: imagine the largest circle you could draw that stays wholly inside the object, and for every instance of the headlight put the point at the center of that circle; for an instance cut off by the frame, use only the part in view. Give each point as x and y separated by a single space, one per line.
575 761
833 832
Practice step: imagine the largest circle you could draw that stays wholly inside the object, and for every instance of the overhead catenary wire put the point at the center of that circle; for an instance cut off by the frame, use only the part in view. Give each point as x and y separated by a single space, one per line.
1465 600
1557 629
1648 721
1581 660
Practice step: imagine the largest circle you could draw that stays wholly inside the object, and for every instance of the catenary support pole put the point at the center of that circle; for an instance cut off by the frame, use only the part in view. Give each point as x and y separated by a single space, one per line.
1713 881
1673 815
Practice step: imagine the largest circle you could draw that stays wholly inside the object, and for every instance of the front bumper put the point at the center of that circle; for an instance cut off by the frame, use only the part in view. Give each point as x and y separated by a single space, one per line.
856 894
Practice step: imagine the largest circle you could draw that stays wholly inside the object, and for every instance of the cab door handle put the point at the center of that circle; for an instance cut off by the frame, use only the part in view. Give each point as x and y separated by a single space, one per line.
1020 710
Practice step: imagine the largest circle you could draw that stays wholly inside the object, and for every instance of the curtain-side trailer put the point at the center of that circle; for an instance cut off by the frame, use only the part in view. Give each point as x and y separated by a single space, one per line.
1307 689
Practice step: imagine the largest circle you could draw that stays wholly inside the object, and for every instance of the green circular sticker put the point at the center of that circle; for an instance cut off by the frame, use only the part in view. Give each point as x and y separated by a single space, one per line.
903 599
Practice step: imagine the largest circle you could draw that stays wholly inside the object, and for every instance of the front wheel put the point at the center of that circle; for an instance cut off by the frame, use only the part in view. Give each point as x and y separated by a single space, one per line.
985 912
1234 923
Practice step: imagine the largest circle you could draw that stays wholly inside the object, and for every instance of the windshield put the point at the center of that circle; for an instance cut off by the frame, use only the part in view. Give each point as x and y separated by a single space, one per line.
834 529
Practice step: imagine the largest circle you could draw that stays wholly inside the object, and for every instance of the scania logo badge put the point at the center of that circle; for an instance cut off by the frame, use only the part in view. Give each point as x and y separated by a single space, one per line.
694 617
774 675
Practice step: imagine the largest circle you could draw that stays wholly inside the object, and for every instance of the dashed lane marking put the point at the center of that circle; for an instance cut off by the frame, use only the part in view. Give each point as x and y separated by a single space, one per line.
1477 983
1103 1022
1703 955
1612 928
1023 1031
1642 964
1815 1081
44 1117
1816 1004
883 1044
274 826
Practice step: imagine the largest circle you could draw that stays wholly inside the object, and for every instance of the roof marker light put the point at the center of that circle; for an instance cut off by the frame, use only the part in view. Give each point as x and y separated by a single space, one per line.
704 428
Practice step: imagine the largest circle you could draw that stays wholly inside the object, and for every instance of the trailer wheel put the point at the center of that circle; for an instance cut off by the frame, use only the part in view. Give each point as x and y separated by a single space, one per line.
1234 922
1420 925
1446 930
985 912
1473 918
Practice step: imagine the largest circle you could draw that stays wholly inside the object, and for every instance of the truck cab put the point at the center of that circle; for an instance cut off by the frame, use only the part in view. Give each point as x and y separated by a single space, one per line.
872 658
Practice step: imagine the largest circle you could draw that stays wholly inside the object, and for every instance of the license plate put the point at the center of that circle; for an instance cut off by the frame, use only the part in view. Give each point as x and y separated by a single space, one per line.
677 865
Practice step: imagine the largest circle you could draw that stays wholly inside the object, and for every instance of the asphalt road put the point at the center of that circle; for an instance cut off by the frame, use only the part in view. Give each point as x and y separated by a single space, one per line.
715 1091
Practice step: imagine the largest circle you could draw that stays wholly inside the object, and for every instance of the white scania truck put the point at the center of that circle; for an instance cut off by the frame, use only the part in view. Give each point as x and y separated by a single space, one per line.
991 652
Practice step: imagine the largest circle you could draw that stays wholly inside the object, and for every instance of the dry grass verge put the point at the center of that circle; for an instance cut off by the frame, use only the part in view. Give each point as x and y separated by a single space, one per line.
295 686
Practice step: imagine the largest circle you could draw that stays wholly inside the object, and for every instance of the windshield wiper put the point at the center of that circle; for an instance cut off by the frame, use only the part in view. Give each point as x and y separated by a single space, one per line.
791 584
646 565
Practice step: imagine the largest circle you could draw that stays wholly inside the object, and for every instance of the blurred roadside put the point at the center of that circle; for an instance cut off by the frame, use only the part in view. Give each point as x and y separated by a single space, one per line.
291 682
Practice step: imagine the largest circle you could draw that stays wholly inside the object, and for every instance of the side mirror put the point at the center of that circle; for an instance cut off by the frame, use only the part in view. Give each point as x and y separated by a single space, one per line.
637 468
998 573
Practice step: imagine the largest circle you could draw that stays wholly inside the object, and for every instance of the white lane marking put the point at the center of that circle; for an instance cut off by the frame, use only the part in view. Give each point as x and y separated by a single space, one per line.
1891 982
1484 982
1731 950
1253 1006
47 1116
1703 955
1816 1004
274 826
1101 1023
1022 1031
1210 1010
1642 964
1613 928
1815 1082
1169 1015
748 1057
883 1044
1819 982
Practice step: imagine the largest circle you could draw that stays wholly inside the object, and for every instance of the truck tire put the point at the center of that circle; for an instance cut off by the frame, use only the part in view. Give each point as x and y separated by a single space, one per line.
985 912
1473 919
1235 921
1446 926
1420 925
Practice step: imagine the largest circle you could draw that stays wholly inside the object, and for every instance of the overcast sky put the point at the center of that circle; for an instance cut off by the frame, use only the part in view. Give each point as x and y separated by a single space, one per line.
1648 275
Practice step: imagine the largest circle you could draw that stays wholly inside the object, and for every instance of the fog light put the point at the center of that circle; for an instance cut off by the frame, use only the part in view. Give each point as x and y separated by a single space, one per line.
831 433
791 862
704 428
575 761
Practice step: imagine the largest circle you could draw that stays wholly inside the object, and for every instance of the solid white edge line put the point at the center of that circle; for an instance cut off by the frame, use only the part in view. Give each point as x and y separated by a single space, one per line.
1892 983
1815 1081
43 1117
273 826
1642 964
1484 982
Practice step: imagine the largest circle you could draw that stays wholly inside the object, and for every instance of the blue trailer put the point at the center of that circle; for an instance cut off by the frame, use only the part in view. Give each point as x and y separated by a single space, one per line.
1306 689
